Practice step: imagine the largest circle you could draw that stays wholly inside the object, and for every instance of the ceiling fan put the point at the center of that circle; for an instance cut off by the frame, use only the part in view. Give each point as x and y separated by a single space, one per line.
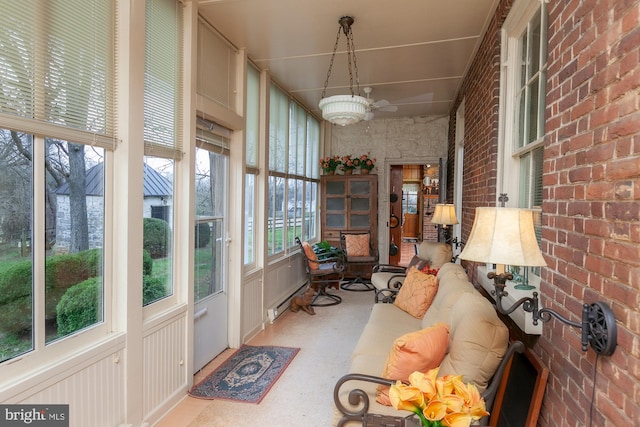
382 105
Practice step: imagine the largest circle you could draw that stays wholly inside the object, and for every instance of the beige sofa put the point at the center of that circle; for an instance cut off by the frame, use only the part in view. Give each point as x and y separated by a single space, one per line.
478 341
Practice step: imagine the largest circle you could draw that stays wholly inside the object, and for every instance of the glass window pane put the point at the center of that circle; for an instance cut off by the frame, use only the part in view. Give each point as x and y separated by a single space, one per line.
210 208
278 130
520 124
311 201
534 48
16 288
313 151
253 116
534 119
73 270
275 235
249 219
158 229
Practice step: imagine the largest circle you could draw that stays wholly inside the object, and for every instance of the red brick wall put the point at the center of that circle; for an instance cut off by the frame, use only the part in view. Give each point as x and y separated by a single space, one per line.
481 89
591 208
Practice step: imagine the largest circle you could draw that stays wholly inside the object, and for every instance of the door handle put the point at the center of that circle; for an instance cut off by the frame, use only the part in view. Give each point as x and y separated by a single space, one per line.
198 314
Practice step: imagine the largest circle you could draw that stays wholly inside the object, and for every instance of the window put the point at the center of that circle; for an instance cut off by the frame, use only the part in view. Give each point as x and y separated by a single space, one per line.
213 144
252 142
56 125
524 50
294 140
162 141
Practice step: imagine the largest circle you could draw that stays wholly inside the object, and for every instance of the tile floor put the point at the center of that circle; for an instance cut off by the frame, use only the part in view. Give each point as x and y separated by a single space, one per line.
303 395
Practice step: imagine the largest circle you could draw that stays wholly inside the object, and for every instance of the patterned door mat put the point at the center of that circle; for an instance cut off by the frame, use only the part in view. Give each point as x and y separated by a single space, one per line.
247 375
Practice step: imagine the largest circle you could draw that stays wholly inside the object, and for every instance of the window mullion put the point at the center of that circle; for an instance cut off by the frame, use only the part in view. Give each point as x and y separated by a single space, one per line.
37 242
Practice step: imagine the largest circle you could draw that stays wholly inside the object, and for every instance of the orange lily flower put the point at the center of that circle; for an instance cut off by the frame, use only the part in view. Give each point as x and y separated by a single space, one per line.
426 382
435 410
404 397
457 419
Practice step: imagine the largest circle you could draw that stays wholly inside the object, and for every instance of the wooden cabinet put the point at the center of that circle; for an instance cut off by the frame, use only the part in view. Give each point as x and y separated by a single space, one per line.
348 202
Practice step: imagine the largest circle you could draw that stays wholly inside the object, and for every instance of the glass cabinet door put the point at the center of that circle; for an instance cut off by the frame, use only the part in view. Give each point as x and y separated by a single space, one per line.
336 204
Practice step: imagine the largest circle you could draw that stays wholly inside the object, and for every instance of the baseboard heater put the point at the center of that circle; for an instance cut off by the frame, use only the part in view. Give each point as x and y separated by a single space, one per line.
274 312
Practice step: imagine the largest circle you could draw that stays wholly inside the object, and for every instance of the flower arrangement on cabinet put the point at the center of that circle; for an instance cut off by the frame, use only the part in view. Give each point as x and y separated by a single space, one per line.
438 402
367 163
329 164
347 163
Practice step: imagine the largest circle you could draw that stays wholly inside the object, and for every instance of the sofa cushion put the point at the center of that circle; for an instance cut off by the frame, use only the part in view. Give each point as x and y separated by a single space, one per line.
386 323
449 292
437 254
416 351
417 292
474 352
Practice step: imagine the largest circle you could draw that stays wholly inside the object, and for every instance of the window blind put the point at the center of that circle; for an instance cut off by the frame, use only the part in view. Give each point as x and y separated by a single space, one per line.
213 137
58 69
162 79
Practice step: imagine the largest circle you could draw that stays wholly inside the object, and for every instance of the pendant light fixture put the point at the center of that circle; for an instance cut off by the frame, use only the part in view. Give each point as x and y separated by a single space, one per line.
344 109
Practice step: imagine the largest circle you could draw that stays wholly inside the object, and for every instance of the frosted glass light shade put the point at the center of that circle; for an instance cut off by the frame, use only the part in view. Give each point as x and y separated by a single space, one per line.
444 214
503 236
343 109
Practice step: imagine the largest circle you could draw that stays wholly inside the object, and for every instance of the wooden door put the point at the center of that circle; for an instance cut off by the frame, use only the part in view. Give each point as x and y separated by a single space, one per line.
395 210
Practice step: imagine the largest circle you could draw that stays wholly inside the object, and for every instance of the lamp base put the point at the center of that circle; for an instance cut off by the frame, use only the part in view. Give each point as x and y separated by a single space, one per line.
523 287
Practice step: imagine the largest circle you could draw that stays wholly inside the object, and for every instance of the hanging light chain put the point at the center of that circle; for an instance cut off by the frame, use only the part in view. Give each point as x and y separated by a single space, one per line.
345 26
333 55
355 64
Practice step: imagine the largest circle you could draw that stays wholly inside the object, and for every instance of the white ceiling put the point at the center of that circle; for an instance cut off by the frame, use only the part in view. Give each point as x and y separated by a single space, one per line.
413 53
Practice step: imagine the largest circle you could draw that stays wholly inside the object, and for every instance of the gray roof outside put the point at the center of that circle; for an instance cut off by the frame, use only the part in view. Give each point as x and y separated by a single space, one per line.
155 185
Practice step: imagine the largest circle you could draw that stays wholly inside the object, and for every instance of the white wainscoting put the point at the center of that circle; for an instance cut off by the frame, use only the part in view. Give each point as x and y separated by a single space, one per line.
164 355
90 384
252 307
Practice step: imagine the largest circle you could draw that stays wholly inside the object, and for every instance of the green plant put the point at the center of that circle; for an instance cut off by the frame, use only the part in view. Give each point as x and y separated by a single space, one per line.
80 306
203 234
156 235
147 263
61 273
153 289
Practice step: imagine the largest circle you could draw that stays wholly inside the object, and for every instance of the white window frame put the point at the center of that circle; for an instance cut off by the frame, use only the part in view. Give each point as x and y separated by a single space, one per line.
515 25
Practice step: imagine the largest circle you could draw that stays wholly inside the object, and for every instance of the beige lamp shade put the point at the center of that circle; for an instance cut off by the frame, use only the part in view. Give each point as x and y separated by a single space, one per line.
444 214
503 236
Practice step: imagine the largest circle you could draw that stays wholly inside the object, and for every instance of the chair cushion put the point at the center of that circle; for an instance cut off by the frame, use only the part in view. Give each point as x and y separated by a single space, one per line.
357 245
416 351
417 292
312 258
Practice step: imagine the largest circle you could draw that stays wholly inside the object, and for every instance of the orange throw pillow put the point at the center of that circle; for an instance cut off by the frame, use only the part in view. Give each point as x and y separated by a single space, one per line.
417 292
357 244
416 351
312 258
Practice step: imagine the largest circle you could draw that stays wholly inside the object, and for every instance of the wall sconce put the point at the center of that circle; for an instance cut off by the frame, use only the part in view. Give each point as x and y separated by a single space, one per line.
505 236
445 215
